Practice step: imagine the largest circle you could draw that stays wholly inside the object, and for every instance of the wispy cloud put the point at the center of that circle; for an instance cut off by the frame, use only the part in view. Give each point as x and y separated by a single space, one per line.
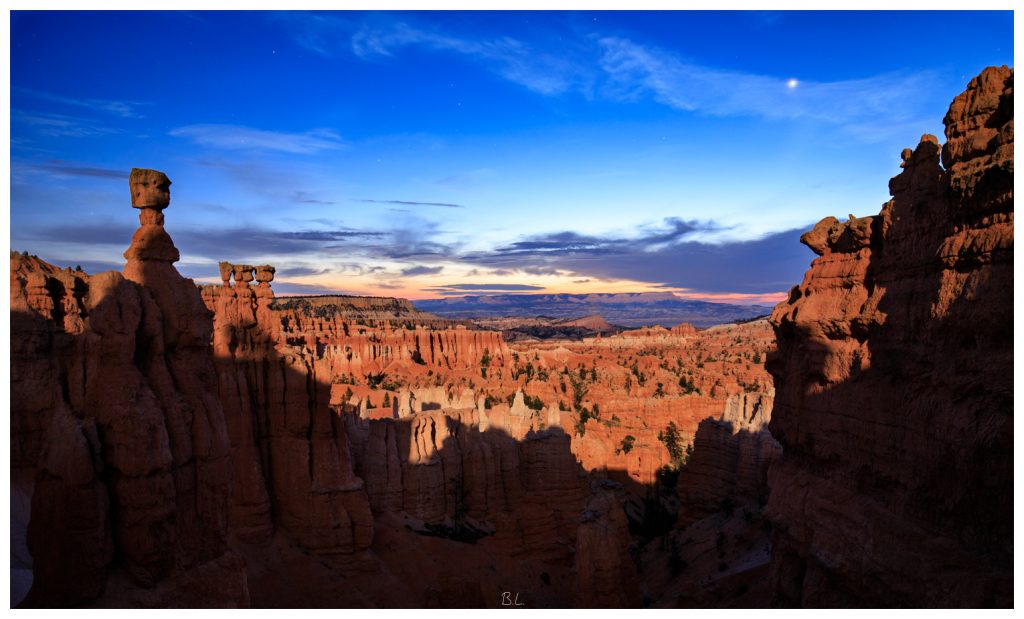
496 287
60 125
238 244
304 198
562 243
329 235
542 69
235 137
517 61
636 70
314 248
421 270
412 203
672 257
418 240
301 271
618 68
90 233
64 168
124 109
284 288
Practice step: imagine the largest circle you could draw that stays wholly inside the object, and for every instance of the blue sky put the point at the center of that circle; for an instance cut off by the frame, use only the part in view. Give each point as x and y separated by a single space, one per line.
424 154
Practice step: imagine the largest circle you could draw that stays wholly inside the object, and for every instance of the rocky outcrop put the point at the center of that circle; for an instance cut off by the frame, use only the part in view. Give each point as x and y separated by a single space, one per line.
290 451
729 460
604 573
280 363
595 323
444 468
894 384
683 329
116 426
435 465
323 328
466 475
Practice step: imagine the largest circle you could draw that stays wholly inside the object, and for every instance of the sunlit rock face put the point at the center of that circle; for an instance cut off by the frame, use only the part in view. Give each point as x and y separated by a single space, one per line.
117 432
894 384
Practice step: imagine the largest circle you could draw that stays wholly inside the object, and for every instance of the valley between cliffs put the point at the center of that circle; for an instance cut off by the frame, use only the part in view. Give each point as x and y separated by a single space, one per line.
221 446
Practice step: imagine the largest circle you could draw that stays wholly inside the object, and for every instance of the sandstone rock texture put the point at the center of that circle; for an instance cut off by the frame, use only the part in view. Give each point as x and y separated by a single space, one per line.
730 459
605 574
289 368
894 387
441 468
289 449
117 431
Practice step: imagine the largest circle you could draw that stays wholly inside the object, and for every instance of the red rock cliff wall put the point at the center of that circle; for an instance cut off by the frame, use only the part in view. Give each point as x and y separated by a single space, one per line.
894 384
118 434
730 458
290 450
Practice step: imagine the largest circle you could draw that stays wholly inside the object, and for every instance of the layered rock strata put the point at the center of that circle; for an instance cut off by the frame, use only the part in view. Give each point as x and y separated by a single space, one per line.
894 402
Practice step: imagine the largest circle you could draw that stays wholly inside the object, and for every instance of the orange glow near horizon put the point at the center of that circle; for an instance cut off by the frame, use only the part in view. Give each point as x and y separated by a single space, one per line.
433 286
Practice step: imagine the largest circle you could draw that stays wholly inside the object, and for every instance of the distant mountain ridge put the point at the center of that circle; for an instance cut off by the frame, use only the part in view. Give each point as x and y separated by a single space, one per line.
632 309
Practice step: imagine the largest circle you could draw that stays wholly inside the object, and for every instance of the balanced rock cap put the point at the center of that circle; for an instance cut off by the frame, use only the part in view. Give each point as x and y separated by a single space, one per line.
150 189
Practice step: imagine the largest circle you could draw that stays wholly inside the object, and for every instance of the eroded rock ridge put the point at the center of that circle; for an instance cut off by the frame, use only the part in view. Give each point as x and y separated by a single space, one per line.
894 401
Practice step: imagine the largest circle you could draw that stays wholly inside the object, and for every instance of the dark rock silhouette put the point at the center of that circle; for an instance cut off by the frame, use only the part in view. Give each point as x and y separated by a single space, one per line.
894 378
118 433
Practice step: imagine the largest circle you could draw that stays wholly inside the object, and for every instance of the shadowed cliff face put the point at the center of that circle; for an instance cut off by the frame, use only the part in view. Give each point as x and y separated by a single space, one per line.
117 432
730 459
894 384
290 451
